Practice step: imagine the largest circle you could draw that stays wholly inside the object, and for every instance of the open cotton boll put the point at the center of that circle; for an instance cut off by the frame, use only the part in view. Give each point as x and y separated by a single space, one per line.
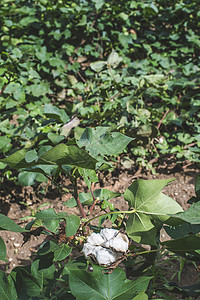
88 249
105 256
108 233
106 247
118 243
95 239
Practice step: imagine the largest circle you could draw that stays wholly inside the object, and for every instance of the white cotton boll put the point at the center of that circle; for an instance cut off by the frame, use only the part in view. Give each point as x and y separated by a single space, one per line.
88 249
106 247
95 239
105 256
108 233
118 243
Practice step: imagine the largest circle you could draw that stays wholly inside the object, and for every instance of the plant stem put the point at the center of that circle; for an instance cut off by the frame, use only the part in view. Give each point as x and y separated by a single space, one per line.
94 200
110 213
75 192
77 199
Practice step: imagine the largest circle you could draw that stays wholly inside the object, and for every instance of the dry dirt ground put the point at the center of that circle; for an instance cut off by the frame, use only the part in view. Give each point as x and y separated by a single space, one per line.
180 190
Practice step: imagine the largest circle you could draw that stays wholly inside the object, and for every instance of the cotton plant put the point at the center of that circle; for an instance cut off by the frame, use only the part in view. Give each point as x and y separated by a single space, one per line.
106 247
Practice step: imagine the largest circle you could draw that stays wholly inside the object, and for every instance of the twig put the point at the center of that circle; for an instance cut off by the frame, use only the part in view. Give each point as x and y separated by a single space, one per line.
74 182
94 200
190 145
162 119
114 96
1 92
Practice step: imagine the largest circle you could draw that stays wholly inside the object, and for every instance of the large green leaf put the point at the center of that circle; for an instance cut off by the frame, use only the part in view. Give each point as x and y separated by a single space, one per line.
100 141
2 250
17 159
197 186
152 208
98 286
46 214
62 251
72 224
68 155
26 178
182 230
36 281
188 243
8 224
59 155
140 228
7 288
191 215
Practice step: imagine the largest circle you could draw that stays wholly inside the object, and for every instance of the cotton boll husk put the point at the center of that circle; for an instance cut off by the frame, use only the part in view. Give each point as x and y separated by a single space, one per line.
108 233
104 256
95 239
88 249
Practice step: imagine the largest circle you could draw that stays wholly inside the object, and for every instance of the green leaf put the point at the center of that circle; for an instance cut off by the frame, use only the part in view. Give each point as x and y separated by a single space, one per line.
140 228
8 224
37 281
104 194
68 155
191 215
197 186
182 230
47 214
98 66
40 89
51 225
141 296
7 288
28 20
87 199
52 112
31 156
114 59
59 155
72 225
17 159
26 178
188 243
98 3
4 142
2 250
151 206
42 54
62 252
101 141
98 286
55 138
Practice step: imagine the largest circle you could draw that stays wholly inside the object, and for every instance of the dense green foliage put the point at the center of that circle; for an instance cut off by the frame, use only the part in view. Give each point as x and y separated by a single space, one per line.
62 53
82 82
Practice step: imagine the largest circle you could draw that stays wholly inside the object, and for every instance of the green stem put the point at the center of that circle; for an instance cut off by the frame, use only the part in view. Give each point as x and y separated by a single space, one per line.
110 213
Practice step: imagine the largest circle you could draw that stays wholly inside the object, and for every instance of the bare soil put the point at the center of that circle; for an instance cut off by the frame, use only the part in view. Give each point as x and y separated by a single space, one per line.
181 190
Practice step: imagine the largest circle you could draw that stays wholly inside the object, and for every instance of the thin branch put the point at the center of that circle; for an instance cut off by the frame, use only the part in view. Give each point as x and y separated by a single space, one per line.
94 200
162 119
